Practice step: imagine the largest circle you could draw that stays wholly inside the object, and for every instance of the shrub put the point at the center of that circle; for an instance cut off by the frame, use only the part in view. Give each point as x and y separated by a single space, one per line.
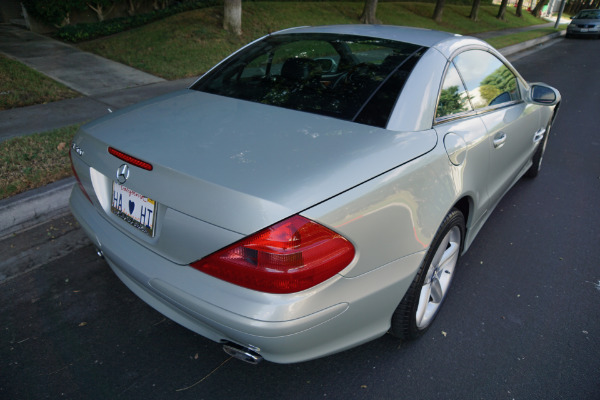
53 12
88 31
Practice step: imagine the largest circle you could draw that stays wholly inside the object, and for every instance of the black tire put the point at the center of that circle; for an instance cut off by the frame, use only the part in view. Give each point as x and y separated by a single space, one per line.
538 156
410 321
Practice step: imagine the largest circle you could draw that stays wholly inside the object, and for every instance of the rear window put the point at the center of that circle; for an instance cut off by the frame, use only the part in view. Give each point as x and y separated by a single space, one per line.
353 78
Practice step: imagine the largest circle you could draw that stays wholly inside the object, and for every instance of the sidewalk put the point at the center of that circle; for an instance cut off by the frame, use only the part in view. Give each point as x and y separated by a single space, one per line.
104 85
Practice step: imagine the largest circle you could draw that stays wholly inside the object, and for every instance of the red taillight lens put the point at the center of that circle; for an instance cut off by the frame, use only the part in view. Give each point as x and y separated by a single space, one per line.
290 256
131 160
77 177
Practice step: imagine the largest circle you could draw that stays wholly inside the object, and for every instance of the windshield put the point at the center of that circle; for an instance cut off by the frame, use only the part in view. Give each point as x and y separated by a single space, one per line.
588 14
353 78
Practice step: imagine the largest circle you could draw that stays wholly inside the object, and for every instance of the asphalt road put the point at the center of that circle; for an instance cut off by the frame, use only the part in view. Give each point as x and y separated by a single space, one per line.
522 320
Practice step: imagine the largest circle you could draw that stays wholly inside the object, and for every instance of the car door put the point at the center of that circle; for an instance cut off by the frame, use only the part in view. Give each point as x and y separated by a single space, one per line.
465 140
511 123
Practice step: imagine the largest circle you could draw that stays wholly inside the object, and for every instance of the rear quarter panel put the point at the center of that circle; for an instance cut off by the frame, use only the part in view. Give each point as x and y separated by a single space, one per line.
395 214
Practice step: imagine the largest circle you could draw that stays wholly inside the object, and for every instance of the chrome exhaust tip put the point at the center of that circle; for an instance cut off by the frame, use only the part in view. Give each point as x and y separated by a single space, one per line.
99 253
242 353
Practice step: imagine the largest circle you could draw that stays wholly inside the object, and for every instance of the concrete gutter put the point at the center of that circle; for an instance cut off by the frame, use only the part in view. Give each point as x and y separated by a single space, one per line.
36 227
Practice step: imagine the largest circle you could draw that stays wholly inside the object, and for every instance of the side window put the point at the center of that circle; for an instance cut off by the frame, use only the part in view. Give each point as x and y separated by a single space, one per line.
488 80
453 96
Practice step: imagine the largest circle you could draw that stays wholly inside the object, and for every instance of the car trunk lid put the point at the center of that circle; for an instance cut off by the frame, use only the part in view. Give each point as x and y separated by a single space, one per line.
239 165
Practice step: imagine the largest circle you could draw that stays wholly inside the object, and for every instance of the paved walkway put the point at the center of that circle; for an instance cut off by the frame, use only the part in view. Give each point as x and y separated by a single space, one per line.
84 72
103 83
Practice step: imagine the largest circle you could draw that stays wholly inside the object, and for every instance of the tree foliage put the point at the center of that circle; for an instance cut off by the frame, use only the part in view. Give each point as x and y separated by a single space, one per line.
500 81
574 6
451 102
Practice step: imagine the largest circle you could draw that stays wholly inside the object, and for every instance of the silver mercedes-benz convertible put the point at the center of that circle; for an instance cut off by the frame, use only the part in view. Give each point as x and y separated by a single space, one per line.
315 189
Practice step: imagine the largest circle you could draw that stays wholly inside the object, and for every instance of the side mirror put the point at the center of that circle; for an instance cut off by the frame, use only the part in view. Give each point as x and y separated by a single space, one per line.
543 94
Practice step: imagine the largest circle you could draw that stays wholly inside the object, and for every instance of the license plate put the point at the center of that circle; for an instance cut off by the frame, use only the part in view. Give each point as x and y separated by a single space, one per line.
583 30
136 209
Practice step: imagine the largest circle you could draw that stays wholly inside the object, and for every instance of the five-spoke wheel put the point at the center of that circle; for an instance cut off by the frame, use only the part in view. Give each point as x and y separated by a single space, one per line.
428 290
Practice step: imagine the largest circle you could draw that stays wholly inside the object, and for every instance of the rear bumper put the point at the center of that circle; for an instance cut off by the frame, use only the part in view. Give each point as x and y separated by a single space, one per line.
335 315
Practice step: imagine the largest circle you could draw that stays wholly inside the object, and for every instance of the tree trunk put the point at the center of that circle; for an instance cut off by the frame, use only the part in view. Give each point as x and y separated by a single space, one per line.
502 10
369 11
437 12
474 16
98 8
537 11
560 13
232 16
519 12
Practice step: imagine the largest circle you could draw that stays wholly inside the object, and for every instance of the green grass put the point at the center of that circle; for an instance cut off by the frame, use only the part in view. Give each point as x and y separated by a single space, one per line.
22 86
508 40
33 161
188 44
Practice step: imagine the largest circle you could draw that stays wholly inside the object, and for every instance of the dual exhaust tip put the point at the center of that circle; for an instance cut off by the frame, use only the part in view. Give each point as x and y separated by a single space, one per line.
242 353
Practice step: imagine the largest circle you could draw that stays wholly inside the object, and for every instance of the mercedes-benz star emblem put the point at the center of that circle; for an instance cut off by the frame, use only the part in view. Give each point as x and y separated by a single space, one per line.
123 173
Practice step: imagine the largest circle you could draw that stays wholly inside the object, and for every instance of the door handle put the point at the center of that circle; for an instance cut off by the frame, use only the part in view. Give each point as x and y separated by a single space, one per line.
539 135
499 140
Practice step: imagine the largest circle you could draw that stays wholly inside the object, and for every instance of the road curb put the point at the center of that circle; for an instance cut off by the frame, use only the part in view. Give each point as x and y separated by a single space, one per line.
527 45
33 207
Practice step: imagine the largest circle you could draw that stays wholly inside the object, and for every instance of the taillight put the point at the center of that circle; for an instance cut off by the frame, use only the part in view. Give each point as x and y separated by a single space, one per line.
290 256
77 176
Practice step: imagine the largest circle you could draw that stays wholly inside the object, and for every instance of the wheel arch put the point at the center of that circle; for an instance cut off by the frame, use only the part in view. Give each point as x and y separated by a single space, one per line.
465 206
